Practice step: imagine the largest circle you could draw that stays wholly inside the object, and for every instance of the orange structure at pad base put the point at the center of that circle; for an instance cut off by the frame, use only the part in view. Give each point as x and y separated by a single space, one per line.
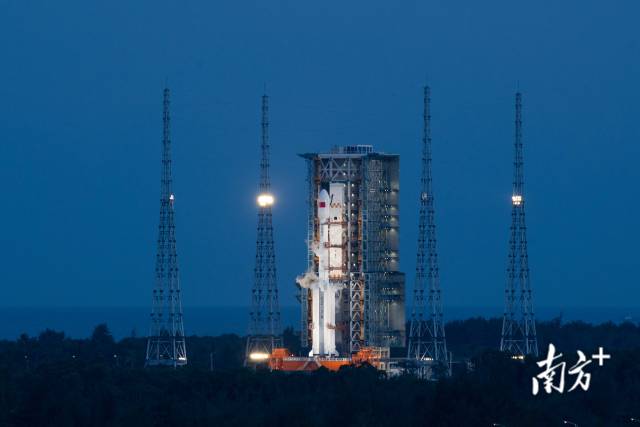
282 360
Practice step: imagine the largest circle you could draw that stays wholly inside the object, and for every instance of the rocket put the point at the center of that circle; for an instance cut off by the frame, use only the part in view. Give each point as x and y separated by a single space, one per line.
329 249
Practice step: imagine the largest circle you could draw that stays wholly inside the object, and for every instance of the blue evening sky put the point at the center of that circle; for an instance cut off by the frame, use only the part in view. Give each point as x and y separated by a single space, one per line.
80 126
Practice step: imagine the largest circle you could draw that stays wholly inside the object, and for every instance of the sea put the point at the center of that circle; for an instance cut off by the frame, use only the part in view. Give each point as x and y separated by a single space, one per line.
78 322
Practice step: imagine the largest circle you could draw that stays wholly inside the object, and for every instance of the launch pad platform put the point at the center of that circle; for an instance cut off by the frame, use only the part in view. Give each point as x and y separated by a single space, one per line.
282 360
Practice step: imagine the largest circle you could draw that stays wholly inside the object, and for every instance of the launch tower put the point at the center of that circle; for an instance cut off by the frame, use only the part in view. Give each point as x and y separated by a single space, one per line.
354 249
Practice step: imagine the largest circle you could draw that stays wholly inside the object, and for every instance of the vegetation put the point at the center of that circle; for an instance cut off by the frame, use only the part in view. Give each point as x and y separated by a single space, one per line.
52 380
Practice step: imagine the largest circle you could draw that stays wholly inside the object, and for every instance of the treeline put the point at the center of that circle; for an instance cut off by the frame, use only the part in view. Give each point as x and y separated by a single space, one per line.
467 338
51 380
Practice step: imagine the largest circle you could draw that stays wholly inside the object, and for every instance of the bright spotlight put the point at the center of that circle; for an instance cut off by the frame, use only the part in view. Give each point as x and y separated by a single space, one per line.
265 200
258 356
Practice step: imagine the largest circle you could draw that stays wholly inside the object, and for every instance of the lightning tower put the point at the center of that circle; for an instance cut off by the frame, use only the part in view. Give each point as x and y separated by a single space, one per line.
518 326
426 334
264 323
166 343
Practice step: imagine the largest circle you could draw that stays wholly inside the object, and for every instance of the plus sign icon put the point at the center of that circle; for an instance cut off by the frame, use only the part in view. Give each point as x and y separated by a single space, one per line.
601 356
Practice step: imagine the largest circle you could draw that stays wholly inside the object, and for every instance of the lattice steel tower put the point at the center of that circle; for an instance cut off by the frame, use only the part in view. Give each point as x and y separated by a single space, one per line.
166 343
264 326
426 334
518 326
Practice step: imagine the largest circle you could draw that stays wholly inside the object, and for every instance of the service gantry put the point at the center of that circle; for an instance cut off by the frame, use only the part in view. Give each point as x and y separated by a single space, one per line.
370 308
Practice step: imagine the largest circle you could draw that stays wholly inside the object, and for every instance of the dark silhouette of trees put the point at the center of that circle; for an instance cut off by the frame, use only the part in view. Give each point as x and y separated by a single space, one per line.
53 380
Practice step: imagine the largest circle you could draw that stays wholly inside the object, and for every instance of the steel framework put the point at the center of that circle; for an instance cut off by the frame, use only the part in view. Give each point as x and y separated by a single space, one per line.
427 340
370 310
518 326
166 342
264 324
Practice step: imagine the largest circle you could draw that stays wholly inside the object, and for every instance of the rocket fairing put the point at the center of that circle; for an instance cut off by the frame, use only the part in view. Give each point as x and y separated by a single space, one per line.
329 250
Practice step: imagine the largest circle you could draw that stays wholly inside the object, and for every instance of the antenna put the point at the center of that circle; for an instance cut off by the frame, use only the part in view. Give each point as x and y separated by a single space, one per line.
427 341
264 325
518 324
166 342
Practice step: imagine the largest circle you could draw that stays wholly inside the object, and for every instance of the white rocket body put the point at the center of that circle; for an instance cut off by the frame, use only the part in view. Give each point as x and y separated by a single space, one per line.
329 250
